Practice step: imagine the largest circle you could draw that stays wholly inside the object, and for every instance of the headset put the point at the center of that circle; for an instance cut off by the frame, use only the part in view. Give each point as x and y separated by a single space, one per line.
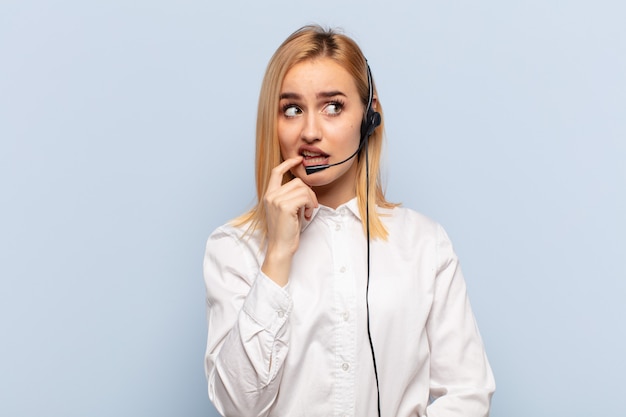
371 121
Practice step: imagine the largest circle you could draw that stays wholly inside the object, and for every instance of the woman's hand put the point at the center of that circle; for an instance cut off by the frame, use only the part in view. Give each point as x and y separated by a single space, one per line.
285 204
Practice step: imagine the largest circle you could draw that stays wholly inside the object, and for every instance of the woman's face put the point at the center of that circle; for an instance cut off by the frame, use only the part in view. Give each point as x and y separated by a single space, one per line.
319 118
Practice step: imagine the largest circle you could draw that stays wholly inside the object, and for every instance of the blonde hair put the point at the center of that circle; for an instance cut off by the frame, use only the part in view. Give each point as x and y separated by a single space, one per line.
310 42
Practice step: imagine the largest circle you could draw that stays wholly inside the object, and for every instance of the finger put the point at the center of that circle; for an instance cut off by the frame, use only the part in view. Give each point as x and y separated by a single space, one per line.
291 197
306 201
297 187
308 212
276 177
308 208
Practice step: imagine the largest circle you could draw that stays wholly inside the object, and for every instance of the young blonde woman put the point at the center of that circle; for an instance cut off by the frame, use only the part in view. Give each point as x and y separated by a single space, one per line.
325 299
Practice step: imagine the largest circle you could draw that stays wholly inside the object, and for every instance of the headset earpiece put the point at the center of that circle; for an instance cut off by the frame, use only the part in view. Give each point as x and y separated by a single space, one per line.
370 124
372 118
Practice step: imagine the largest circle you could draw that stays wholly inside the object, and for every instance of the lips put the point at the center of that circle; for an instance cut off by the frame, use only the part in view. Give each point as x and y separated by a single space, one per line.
313 157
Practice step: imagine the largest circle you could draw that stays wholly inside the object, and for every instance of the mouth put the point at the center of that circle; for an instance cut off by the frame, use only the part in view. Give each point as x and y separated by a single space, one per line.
313 158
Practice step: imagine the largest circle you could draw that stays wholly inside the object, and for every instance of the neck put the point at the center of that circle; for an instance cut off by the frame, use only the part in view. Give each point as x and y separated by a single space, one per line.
332 201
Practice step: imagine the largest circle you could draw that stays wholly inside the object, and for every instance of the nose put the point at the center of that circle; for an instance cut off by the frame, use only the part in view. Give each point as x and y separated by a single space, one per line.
311 130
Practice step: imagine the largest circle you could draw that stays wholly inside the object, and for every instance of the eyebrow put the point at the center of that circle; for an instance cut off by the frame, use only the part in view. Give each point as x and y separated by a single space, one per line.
323 94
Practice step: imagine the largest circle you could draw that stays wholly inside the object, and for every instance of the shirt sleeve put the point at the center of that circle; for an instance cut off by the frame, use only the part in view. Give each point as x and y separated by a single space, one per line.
461 381
248 331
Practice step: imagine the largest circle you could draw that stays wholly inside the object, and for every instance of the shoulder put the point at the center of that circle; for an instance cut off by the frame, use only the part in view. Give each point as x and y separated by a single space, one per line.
222 234
408 220
229 237
410 229
226 231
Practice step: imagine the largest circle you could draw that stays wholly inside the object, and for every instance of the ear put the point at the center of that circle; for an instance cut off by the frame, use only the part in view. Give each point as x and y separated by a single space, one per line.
374 103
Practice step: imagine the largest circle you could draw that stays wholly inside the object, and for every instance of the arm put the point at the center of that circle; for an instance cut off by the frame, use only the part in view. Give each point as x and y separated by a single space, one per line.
248 334
461 379
247 304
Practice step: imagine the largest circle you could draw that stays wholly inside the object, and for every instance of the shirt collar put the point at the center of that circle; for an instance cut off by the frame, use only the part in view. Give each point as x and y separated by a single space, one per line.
351 206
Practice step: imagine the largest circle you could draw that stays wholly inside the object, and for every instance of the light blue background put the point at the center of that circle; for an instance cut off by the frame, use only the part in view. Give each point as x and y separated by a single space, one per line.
127 136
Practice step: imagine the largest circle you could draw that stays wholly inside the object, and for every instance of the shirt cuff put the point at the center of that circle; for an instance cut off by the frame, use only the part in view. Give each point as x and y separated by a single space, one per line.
268 304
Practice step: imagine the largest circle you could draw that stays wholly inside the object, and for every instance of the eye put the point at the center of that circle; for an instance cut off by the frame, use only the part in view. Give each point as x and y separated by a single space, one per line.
291 110
333 108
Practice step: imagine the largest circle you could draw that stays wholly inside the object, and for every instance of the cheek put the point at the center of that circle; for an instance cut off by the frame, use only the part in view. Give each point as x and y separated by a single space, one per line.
351 131
287 137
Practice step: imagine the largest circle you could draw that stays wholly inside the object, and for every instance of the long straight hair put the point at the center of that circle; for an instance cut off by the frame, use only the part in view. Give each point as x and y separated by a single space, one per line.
307 43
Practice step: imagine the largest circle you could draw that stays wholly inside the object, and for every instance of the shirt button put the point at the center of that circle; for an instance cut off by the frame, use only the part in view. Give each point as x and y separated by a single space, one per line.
281 314
346 316
345 366
342 269
337 227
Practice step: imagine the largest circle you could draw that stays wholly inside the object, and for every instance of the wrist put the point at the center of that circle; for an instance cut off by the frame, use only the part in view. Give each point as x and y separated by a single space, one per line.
277 265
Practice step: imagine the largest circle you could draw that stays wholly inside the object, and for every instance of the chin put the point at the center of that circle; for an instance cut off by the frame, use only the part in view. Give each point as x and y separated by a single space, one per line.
313 180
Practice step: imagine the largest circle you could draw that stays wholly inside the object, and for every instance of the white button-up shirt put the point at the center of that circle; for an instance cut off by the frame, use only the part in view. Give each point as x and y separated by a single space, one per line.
303 350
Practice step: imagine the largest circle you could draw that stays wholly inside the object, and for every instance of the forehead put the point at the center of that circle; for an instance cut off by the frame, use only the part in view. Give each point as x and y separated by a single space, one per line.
318 75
